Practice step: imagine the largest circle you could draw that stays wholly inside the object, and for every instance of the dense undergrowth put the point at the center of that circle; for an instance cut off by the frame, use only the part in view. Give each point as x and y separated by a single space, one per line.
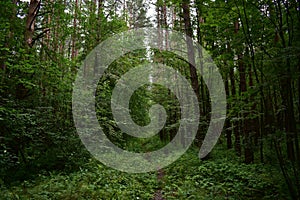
221 176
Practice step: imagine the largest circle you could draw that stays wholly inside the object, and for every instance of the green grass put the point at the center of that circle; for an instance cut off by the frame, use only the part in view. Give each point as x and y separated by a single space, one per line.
222 176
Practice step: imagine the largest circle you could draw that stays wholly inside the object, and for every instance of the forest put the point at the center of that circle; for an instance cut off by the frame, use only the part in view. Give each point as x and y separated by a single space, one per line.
45 45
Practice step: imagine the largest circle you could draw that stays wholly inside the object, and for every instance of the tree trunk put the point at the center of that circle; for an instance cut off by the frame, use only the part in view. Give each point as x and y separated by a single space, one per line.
30 21
165 25
191 52
227 122
203 102
236 130
74 54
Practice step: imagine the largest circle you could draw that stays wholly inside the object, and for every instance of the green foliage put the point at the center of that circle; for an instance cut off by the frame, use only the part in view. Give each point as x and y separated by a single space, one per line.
41 156
220 178
92 181
187 178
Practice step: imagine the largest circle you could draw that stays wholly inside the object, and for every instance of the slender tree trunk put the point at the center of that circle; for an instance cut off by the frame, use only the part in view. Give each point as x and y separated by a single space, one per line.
236 130
30 21
74 36
227 122
227 90
203 103
158 21
191 53
245 125
286 89
100 7
165 20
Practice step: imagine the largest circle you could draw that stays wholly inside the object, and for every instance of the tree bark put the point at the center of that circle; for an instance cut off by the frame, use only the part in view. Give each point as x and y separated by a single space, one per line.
30 21
237 135
191 54
74 52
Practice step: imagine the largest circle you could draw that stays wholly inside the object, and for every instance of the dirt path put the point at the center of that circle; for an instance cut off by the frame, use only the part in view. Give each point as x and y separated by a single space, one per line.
158 194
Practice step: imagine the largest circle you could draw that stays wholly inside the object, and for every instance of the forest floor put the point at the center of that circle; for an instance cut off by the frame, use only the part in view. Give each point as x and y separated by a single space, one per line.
222 176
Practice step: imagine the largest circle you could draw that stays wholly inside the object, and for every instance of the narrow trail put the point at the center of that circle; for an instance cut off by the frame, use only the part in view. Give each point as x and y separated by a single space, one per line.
160 175
158 194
